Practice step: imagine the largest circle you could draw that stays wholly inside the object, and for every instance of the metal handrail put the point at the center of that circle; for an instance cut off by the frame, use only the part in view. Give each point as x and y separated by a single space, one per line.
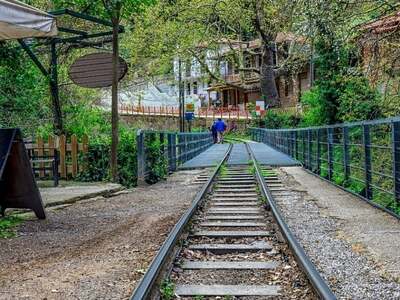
338 152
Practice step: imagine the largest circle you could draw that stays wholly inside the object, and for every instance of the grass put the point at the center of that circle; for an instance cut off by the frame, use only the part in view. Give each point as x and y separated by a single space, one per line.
237 136
167 290
8 226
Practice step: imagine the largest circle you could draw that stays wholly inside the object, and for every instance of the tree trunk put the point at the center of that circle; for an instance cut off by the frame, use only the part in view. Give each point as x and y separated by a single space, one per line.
55 98
268 87
269 92
114 94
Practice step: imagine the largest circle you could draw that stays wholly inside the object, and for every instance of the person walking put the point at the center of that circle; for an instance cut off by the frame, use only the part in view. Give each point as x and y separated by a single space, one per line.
214 132
220 127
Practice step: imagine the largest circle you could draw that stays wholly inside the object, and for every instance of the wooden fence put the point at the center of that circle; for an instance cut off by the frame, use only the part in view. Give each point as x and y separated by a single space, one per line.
69 166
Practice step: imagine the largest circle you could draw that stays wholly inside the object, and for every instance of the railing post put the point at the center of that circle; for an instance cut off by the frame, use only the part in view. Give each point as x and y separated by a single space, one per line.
171 157
330 152
296 148
396 159
303 140
318 152
346 157
185 148
367 161
309 145
140 158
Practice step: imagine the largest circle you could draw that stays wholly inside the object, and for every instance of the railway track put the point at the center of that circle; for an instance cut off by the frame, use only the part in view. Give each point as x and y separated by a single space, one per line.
232 243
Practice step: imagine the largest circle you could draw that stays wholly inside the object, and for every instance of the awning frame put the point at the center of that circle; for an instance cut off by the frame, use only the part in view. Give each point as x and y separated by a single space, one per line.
78 35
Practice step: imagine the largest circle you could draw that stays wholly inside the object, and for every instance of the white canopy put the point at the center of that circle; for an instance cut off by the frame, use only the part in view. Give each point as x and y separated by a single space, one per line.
19 20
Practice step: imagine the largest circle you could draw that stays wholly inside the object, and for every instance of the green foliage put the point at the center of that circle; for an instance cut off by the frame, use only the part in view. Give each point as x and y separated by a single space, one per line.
314 108
167 290
23 91
357 100
156 160
8 225
97 160
275 120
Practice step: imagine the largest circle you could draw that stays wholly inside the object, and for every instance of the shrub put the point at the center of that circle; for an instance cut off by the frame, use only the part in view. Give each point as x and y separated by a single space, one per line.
275 120
97 160
155 159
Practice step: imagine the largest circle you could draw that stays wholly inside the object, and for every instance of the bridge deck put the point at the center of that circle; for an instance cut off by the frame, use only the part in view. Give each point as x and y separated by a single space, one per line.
209 158
239 155
264 154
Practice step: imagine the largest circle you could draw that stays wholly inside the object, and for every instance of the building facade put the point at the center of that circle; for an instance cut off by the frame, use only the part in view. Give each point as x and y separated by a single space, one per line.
238 88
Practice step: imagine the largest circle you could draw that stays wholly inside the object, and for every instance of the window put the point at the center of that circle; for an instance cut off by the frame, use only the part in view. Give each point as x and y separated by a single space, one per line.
188 88
195 88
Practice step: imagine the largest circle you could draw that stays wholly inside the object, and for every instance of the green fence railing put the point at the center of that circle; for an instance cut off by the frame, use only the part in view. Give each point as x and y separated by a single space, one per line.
361 157
176 148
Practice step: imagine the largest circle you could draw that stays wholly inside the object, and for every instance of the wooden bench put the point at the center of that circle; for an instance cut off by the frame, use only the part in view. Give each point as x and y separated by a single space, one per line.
42 160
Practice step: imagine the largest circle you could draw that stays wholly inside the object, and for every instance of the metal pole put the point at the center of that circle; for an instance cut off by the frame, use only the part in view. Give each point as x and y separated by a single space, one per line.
140 157
309 146
181 98
367 161
346 157
396 159
330 152
58 124
318 152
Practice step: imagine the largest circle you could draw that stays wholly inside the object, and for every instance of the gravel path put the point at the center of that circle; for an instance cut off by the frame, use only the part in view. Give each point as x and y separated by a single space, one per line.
348 270
96 249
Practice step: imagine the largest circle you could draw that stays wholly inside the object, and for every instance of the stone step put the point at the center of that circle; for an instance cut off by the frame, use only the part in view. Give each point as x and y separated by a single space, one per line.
236 203
229 265
230 234
226 290
232 224
233 217
232 248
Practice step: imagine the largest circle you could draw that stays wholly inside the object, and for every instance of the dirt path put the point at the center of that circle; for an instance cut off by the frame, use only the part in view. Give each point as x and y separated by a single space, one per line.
94 249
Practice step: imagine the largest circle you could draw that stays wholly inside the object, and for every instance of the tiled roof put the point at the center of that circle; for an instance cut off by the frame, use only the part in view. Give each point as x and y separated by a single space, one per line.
385 24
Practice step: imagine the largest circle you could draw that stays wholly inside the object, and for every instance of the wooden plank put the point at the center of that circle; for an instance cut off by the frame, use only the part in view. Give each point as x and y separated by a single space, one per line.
74 155
62 149
41 153
50 143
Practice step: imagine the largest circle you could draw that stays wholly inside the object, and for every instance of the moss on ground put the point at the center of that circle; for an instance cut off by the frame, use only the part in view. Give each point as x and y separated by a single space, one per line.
8 226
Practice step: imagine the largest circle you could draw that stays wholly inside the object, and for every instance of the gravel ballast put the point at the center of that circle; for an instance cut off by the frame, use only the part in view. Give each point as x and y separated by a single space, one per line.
349 271
94 249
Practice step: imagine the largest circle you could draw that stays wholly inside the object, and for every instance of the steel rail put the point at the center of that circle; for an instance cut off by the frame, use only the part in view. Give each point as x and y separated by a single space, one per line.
146 284
315 278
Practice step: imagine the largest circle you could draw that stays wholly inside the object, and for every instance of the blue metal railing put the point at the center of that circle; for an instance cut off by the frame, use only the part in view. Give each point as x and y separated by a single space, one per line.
177 148
361 157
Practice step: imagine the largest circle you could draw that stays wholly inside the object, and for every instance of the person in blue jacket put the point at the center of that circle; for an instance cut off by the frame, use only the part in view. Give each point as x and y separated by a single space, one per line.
213 130
220 126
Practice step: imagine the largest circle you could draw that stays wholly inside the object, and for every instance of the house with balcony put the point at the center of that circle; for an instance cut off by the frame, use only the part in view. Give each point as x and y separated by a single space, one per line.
238 88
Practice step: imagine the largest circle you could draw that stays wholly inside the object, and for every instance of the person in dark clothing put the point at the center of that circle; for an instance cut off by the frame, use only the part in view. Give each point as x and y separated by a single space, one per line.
220 127
213 129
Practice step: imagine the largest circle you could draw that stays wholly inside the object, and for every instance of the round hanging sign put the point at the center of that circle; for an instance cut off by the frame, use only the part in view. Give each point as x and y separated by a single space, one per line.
95 70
